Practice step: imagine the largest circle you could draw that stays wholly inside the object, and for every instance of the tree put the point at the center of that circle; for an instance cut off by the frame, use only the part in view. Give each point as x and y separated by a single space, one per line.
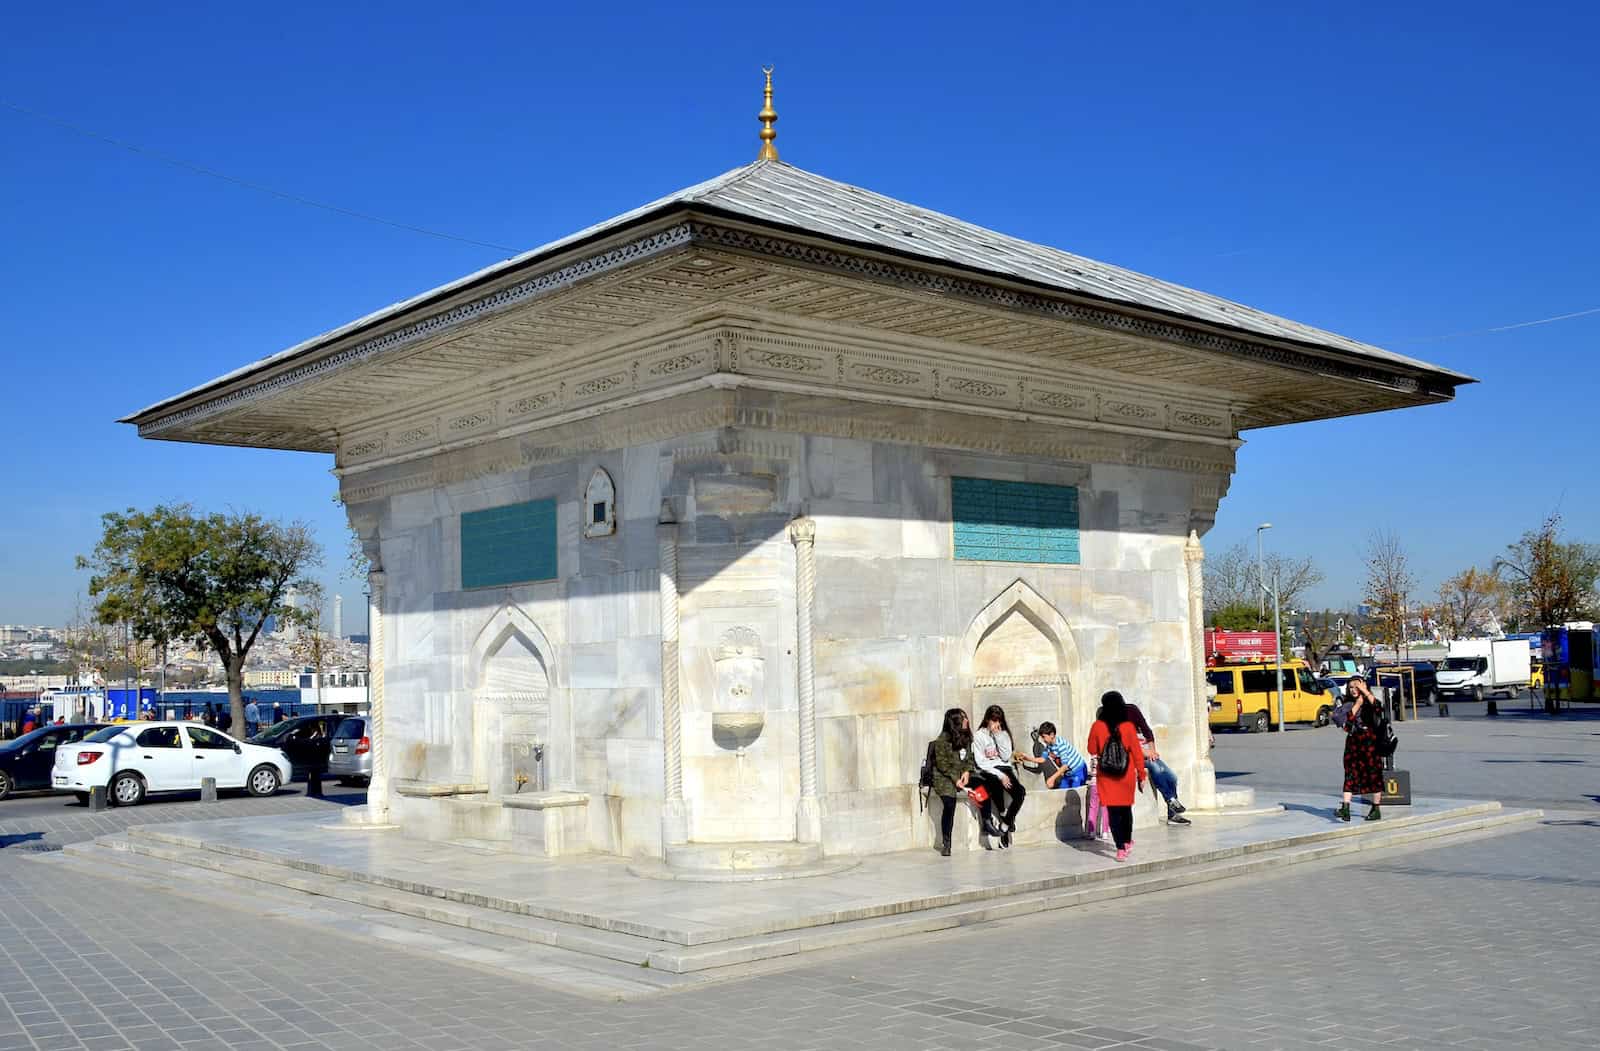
1389 587
1240 616
311 647
213 579
1230 579
1553 581
1323 631
1465 598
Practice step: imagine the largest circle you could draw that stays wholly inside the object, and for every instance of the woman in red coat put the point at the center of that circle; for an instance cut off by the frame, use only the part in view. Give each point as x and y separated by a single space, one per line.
1116 792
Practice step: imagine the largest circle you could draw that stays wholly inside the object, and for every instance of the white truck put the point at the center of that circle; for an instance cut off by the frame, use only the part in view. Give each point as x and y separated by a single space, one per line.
1479 667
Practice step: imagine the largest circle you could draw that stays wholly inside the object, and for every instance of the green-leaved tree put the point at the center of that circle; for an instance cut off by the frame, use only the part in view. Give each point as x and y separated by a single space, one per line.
214 579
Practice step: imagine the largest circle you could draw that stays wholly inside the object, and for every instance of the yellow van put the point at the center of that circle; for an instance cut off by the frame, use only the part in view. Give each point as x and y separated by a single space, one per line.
1247 696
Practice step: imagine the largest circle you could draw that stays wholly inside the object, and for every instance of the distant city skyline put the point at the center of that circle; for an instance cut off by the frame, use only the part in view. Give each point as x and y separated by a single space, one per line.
1430 198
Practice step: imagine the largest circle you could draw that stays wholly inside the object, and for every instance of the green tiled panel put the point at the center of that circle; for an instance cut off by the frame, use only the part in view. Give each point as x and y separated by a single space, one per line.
995 521
508 545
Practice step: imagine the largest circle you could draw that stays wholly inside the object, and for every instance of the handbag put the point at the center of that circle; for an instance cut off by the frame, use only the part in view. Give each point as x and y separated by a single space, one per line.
978 795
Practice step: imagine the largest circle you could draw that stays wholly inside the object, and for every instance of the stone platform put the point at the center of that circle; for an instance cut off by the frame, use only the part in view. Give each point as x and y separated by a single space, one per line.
595 909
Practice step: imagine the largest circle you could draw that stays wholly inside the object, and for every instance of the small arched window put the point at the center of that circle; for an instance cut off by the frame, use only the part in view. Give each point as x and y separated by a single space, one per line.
599 505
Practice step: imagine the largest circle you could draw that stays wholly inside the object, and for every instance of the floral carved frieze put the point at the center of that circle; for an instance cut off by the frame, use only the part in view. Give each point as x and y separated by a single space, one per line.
1198 420
1062 401
599 385
783 361
681 363
1130 410
363 449
974 388
530 403
471 421
413 436
885 375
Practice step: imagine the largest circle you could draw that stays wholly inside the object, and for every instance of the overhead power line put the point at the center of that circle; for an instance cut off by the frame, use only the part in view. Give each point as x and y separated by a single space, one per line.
282 195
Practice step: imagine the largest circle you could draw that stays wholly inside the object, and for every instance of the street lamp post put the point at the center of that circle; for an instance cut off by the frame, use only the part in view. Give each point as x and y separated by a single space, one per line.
1261 577
1277 646
1277 617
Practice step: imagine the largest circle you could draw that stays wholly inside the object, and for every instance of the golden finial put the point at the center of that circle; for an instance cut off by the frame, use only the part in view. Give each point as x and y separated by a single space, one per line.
768 116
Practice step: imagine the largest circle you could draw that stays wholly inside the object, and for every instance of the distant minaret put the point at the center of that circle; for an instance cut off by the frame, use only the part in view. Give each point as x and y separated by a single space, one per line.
338 616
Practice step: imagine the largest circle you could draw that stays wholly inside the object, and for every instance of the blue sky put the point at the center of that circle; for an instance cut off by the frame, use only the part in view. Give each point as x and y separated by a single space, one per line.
1393 176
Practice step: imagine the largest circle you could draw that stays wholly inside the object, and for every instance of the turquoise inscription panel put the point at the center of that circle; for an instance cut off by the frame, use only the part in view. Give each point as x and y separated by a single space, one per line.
513 544
995 521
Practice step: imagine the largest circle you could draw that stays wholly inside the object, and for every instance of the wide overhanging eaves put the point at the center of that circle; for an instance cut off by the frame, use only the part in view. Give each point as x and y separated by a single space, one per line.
674 223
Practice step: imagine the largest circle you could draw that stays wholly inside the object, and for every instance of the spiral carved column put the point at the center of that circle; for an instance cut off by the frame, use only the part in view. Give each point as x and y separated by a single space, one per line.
1204 790
675 812
808 814
378 787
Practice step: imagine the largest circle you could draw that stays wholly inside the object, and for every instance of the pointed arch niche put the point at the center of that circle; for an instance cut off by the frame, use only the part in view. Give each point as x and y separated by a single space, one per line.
1019 653
511 698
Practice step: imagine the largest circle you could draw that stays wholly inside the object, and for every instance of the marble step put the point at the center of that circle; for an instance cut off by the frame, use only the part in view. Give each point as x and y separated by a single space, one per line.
436 889
678 959
1145 878
564 969
624 948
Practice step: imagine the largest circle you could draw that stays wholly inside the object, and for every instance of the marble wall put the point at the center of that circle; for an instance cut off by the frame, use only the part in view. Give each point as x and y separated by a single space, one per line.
902 632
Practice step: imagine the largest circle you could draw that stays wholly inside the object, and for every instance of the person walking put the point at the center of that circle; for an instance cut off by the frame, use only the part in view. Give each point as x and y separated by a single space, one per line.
252 718
992 748
953 771
1363 759
1118 766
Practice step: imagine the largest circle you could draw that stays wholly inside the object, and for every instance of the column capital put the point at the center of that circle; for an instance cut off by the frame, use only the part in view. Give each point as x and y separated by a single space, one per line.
1193 551
376 578
803 531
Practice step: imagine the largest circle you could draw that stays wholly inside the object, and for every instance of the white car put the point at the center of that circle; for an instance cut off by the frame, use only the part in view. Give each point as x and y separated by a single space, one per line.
132 760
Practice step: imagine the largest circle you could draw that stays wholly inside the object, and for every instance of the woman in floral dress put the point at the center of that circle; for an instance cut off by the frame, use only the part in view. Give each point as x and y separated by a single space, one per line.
1363 762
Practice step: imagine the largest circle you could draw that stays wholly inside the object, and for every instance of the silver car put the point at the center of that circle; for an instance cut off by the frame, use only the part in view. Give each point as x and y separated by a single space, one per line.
350 752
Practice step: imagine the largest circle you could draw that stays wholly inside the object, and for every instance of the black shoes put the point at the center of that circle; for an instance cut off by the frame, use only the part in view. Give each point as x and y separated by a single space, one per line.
1373 814
944 849
1175 815
1005 838
1343 813
1176 807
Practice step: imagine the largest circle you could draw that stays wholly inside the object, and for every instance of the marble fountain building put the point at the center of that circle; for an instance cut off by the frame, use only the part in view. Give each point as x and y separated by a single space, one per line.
687 528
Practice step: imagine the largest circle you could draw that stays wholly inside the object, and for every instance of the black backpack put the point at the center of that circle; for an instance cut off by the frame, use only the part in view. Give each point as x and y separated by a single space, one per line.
925 777
1388 740
1114 756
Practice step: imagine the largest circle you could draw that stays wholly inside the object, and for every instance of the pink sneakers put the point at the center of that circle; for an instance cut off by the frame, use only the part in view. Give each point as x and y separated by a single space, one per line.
1122 855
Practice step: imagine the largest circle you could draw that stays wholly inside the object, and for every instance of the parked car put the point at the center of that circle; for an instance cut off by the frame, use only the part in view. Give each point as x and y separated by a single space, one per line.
1423 674
305 740
1247 696
132 760
25 763
350 759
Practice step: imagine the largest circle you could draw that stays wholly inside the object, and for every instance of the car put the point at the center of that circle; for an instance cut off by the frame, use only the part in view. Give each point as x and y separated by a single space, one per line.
1423 673
25 762
305 740
1247 696
133 760
350 758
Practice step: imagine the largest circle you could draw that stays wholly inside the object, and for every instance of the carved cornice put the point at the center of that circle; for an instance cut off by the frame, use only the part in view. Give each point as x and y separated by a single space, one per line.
700 411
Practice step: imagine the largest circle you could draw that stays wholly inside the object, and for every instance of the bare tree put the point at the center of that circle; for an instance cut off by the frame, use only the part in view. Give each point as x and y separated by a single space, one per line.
1230 578
1389 587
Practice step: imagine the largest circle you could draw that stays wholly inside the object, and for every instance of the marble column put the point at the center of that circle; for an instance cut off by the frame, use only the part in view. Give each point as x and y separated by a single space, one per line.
674 811
378 788
808 813
1203 781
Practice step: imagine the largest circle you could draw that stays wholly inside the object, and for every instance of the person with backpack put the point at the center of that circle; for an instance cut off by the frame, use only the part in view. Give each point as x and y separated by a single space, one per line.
953 770
1366 735
992 748
1118 766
